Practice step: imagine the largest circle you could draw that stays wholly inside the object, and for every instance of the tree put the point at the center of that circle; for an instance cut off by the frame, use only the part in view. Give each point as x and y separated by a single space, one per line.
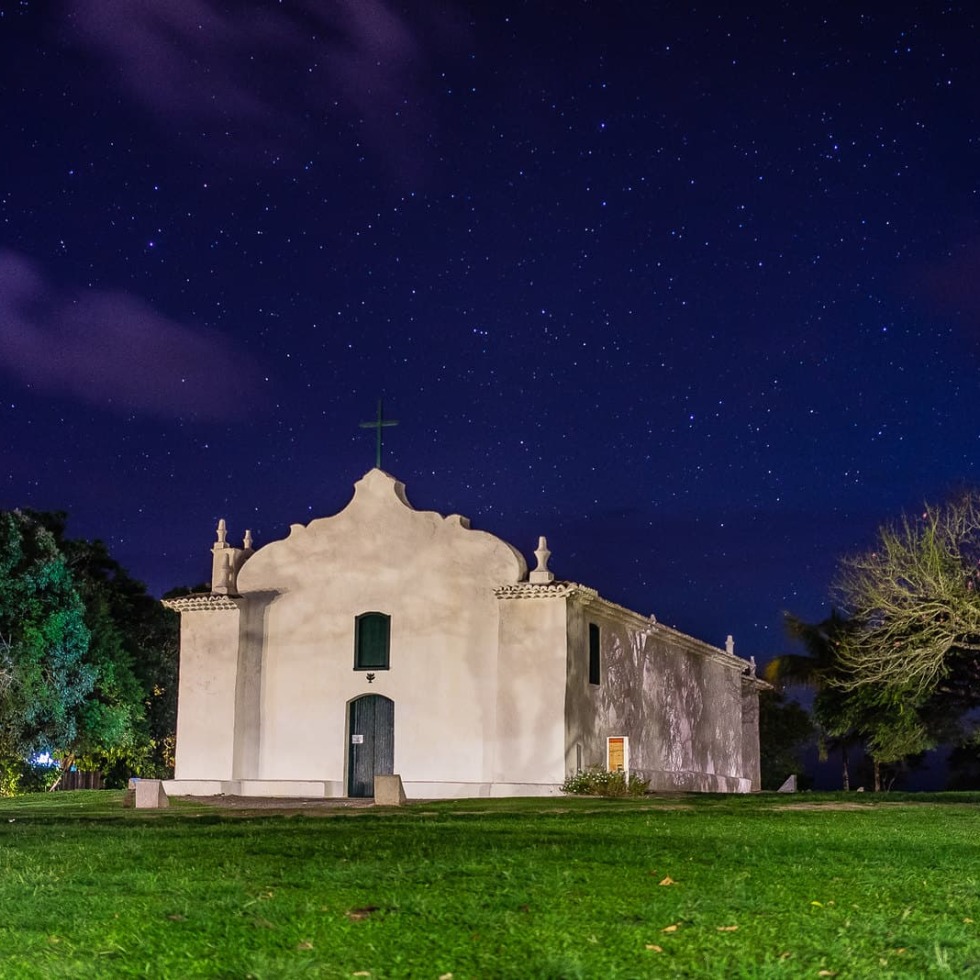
129 721
900 667
817 669
915 601
785 728
88 659
43 641
889 728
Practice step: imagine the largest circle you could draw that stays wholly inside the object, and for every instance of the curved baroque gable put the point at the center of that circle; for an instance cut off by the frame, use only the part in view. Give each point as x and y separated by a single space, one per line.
380 535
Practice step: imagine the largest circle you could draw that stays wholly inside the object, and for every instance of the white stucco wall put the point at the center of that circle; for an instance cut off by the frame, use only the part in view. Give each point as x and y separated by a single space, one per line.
209 631
435 578
531 686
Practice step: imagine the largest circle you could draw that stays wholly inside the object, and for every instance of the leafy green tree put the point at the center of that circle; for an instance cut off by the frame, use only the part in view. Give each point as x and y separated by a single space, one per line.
891 730
44 642
88 660
129 721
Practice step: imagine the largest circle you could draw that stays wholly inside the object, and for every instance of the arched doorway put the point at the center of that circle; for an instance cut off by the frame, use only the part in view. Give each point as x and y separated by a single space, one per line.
371 747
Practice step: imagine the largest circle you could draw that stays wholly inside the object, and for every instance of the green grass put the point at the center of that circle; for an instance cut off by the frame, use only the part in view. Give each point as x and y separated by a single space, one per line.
505 888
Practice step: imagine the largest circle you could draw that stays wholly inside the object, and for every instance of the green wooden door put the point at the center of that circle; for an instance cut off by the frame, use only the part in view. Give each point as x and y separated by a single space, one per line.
371 748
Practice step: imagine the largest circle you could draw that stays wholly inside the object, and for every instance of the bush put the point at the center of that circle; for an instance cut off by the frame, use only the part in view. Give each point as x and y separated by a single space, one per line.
596 781
9 776
18 776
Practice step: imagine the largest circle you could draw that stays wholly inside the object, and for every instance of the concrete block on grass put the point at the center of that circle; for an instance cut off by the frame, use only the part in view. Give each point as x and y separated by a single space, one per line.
388 791
150 795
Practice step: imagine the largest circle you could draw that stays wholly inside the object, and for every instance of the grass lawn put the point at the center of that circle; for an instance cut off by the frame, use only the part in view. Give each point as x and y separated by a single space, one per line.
763 886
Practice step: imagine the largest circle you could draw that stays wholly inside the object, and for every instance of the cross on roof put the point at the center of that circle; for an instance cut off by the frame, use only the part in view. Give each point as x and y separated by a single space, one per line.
378 424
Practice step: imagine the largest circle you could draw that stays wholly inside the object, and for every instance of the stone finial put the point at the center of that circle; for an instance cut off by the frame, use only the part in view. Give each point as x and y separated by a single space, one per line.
222 575
226 561
752 667
541 575
730 644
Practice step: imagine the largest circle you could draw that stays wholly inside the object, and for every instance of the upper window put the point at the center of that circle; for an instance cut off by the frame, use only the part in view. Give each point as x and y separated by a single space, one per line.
593 653
372 632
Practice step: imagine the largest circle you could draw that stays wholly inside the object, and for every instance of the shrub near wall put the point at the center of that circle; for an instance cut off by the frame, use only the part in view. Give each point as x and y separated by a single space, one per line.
596 781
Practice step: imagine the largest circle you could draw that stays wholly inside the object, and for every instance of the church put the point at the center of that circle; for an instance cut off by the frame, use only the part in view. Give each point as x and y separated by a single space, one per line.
387 640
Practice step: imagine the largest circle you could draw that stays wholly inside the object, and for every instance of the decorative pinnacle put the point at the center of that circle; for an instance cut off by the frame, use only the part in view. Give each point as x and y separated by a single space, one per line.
222 583
222 533
247 543
730 644
541 575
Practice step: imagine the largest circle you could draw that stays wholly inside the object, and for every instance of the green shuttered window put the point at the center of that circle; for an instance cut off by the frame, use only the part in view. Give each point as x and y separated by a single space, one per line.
593 653
372 632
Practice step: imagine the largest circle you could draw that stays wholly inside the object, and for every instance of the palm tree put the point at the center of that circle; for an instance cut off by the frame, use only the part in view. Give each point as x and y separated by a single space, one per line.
817 669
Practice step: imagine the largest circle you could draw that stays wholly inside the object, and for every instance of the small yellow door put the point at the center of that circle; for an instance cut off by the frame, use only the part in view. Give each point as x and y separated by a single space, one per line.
616 754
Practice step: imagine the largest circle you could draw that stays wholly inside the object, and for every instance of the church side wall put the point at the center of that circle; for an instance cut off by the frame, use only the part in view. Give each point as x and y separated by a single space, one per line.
680 708
586 706
206 694
700 706
531 693
751 752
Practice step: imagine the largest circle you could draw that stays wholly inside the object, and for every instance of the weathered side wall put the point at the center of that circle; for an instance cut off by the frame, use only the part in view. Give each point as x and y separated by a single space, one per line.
751 752
678 700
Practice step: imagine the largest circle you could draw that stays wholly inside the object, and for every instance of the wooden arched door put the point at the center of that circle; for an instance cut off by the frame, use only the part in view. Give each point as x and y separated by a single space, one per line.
371 746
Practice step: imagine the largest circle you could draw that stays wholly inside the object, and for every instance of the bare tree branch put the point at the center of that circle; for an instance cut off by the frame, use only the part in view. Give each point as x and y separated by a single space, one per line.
914 599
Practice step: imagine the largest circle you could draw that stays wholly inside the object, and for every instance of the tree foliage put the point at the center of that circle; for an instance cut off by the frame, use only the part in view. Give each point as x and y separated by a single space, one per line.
818 668
889 727
131 723
87 657
914 599
44 641
785 729
899 668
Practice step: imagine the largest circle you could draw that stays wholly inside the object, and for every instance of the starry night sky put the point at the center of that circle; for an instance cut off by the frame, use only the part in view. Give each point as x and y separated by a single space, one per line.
693 291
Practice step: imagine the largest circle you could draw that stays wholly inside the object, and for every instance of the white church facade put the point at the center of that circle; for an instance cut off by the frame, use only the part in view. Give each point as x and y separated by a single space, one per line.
389 640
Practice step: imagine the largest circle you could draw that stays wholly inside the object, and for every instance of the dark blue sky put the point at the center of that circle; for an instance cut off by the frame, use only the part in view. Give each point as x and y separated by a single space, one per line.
691 290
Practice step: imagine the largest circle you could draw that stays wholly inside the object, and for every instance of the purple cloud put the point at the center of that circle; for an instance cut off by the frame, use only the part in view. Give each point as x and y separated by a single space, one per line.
265 76
112 349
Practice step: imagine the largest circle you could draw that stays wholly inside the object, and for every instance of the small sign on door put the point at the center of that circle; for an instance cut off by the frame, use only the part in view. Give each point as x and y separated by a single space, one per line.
357 740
